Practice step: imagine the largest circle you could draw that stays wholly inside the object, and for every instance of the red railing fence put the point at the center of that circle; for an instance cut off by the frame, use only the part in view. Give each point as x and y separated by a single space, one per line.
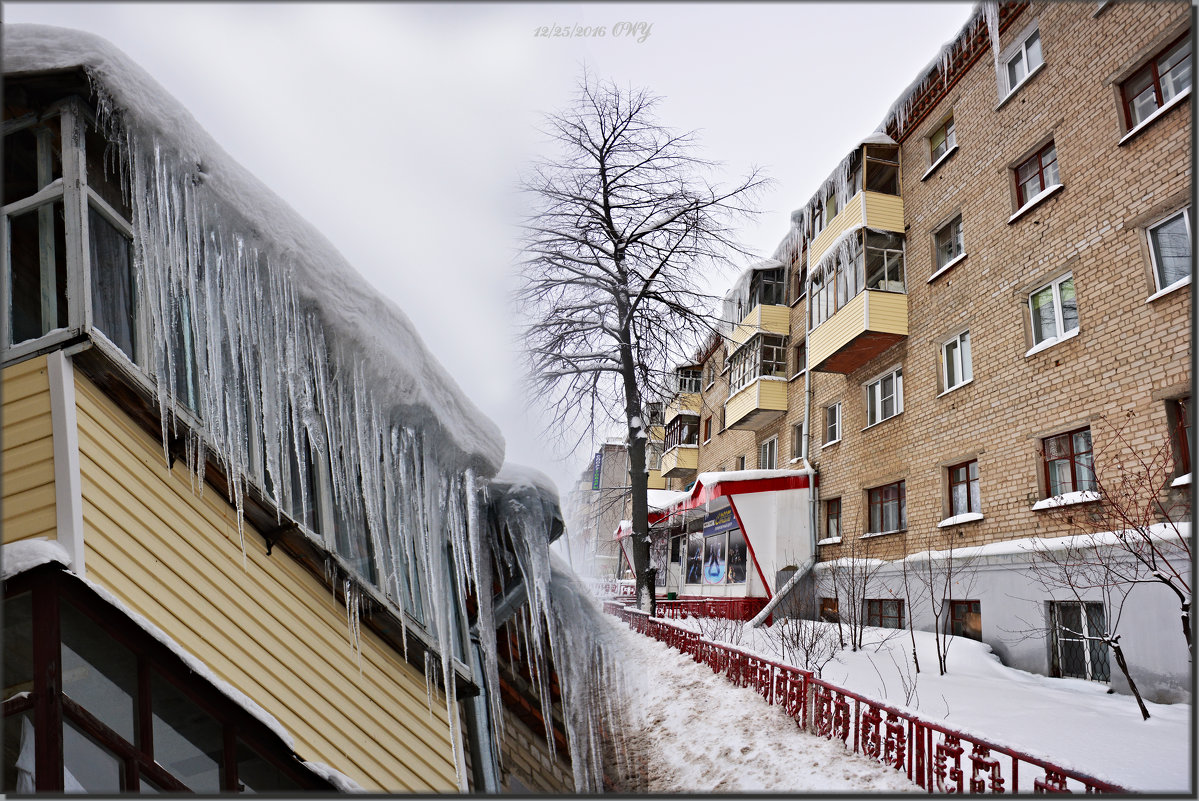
935 757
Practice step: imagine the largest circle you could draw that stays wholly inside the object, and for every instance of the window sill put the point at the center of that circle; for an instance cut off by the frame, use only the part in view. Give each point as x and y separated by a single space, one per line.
1171 288
956 387
829 541
880 422
797 375
872 534
967 517
1049 343
793 303
949 265
944 158
1044 195
1145 123
830 444
1067 499
1012 92
1182 481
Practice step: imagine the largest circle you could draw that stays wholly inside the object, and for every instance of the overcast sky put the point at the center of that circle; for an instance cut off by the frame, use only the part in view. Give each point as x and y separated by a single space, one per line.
399 129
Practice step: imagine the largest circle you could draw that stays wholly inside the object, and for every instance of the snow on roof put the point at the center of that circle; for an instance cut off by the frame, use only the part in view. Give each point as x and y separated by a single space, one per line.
708 479
24 555
356 316
663 499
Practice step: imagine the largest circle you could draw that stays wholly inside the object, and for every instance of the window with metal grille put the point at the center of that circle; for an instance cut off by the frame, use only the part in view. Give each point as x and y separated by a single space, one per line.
1069 463
1077 649
886 613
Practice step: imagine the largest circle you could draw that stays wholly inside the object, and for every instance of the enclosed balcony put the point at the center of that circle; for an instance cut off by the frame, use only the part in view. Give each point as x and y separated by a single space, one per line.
868 198
757 382
681 455
680 462
757 303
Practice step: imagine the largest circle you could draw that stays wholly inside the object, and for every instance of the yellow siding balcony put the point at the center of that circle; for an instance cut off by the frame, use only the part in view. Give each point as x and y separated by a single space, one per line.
765 319
683 403
873 209
860 330
656 481
680 461
757 405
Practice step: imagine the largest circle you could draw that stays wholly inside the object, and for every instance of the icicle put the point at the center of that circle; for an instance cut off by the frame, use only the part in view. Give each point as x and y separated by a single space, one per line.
991 16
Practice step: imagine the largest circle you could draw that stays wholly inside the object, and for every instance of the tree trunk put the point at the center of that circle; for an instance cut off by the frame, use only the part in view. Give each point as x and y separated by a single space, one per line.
1132 685
638 477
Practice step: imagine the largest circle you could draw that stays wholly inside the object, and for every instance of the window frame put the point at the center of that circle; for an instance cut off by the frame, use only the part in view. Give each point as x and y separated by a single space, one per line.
973 498
769 447
1093 672
1071 458
1058 317
949 141
941 267
957 622
963 359
1042 165
875 400
832 521
1152 65
800 352
1154 266
879 497
1179 419
1019 49
797 441
832 423
707 429
875 612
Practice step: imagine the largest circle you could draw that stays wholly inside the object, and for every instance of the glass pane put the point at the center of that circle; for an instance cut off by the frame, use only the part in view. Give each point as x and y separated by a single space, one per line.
1016 70
1044 320
1171 250
737 554
112 282
1069 305
1033 48
37 272
952 377
960 499
187 742
104 175
18 645
24 172
967 369
1059 477
695 559
257 775
98 673
88 767
1178 76
352 539
975 501
19 765
714 559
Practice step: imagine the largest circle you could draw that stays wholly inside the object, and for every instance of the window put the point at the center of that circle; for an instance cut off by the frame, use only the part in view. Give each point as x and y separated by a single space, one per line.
799 359
682 430
1170 249
886 613
709 375
828 610
832 423
797 441
963 489
707 429
653 413
1036 174
832 519
768 454
884 397
1069 465
1023 61
949 243
767 288
1159 82
955 362
1054 310
1073 653
740 462
799 282
888 508
722 425
654 456
1178 413
965 619
688 381
764 355
882 169
884 262
942 141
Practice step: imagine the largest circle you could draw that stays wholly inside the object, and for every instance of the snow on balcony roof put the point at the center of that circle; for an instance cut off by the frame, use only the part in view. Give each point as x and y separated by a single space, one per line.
709 486
664 499
356 316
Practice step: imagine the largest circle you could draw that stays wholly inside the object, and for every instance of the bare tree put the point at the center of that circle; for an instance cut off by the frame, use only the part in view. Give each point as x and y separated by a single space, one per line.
853 578
621 221
935 576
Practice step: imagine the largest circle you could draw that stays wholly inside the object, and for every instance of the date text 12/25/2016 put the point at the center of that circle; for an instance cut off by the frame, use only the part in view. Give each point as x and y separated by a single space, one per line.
621 30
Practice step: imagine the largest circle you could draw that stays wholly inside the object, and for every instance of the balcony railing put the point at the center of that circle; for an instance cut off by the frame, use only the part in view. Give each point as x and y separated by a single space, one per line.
757 405
863 328
934 757
680 461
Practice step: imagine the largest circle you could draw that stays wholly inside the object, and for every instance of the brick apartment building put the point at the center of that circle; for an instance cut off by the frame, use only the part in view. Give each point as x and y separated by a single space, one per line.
956 325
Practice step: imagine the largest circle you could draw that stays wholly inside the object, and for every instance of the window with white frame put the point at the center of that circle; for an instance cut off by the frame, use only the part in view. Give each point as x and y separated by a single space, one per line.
764 355
832 423
1054 311
1022 61
688 380
1170 249
1158 83
709 375
768 454
949 243
797 440
956 368
1036 174
884 397
943 140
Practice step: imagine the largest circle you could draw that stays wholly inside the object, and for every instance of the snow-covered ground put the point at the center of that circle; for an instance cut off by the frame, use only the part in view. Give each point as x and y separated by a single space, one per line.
1073 723
700 734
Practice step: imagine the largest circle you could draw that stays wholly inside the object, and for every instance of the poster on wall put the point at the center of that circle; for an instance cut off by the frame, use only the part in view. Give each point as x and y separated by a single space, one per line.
714 559
695 559
737 560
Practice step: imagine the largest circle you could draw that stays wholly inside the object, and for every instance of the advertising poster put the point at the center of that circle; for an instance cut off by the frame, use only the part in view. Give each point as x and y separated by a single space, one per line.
714 559
695 559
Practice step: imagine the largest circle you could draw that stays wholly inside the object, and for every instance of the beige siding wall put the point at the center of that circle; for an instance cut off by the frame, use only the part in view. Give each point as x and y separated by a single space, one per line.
888 312
847 218
266 626
848 322
28 457
687 402
884 211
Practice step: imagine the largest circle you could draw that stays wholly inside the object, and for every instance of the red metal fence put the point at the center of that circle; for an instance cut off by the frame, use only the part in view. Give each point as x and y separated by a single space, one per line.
727 608
933 756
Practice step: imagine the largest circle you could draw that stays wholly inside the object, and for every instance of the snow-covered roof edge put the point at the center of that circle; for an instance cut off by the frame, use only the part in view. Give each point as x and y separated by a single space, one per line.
359 320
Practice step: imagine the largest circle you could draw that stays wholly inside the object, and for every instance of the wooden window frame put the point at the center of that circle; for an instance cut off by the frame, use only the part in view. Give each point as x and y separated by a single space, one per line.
832 514
876 612
953 484
879 498
1041 163
1071 457
1178 414
1152 66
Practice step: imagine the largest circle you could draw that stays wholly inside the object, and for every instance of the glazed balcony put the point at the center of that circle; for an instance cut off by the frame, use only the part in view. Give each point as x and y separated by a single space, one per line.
686 403
867 325
757 405
877 210
680 461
